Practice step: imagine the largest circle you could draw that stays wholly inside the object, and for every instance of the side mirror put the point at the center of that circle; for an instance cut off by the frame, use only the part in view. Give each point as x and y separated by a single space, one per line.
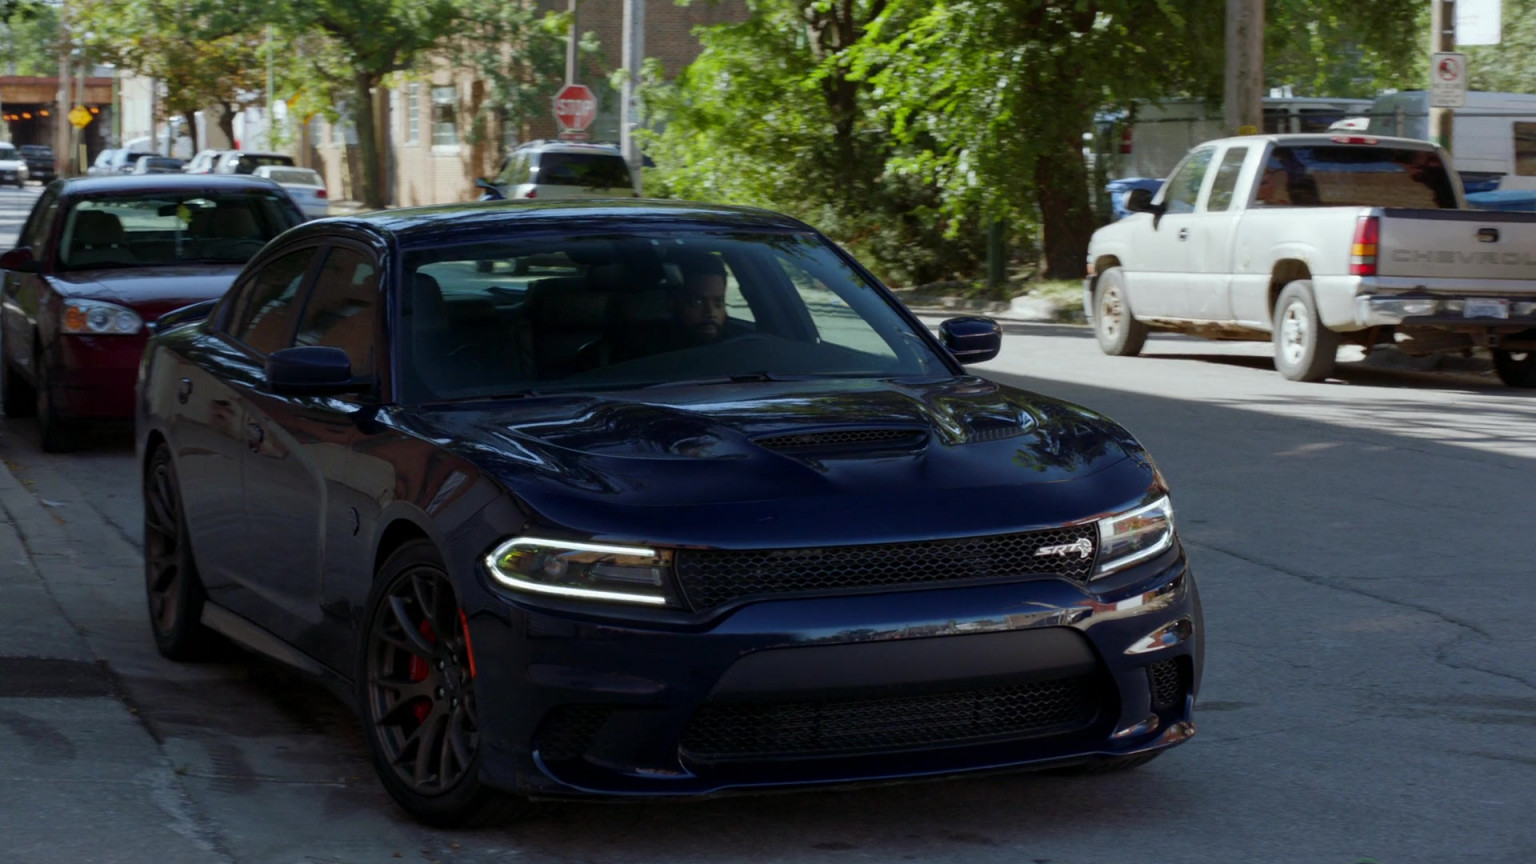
1139 201
491 192
20 260
972 339
315 370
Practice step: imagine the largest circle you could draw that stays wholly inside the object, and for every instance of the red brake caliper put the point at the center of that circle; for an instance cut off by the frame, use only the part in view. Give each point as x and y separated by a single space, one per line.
418 672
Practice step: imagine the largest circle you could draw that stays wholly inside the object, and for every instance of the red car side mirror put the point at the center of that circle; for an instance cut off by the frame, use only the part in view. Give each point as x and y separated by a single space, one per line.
20 260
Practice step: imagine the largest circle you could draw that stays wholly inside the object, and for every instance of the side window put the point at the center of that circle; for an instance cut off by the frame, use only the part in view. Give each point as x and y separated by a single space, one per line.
343 307
264 313
1225 184
1525 149
1184 187
35 232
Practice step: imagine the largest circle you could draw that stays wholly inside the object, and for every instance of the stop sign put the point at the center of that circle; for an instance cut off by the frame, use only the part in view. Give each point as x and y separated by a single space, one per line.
575 107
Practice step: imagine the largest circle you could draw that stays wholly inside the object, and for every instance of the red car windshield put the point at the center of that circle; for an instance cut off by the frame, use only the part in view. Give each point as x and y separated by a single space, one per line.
166 229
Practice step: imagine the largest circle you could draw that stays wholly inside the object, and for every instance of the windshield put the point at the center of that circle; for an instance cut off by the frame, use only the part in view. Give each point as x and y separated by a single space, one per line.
8 152
1330 176
604 312
160 229
299 176
595 170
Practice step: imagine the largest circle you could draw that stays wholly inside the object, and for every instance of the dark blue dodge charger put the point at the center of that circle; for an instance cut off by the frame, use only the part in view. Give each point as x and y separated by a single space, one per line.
640 499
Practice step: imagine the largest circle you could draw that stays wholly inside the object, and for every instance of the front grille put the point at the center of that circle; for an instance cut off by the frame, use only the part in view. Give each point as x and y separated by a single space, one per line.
1168 682
714 577
844 438
568 730
762 730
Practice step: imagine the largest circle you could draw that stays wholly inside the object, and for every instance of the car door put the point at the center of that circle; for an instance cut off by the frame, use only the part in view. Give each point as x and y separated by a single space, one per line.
1211 230
261 321
1156 273
308 496
24 292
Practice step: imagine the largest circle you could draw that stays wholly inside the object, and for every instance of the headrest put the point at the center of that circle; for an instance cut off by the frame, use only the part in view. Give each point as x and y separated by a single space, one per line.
567 304
234 224
97 228
426 298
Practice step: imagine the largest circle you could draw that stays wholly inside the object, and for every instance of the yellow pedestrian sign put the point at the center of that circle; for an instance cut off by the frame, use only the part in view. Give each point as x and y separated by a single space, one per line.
80 117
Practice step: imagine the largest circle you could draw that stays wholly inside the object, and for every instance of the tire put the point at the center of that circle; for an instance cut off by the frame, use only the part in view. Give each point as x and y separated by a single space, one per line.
1120 334
171 585
1305 350
1516 368
416 697
16 398
1109 764
55 433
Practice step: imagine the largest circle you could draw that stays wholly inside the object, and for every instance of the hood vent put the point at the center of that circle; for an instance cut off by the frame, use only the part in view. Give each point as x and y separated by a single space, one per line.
846 440
995 426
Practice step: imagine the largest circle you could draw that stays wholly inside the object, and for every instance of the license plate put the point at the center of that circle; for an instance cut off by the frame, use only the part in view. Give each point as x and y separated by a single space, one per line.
1486 309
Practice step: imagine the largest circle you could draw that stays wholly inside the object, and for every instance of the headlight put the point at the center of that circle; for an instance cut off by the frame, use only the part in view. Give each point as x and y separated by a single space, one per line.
1135 535
588 571
94 316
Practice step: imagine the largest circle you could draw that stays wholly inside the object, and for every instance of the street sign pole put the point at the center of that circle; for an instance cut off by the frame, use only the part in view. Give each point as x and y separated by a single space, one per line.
1442 41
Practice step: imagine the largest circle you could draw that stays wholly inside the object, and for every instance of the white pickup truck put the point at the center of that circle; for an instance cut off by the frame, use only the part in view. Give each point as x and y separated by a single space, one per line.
1313 240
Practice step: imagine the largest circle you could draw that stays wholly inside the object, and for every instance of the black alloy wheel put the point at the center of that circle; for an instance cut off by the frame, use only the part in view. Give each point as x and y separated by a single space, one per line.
418 694
171 583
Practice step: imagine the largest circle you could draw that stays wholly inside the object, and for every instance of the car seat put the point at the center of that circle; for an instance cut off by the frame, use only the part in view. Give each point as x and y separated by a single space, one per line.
97 239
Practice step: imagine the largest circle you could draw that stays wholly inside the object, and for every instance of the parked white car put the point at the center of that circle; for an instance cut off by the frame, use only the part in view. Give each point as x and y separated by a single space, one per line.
13 168
304 185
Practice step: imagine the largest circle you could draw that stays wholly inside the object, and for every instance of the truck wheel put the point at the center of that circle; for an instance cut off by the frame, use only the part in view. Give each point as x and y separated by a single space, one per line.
1516 368
1305 350
1120 334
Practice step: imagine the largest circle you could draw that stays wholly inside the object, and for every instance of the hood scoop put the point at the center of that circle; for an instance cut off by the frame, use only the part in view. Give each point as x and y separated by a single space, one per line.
847 443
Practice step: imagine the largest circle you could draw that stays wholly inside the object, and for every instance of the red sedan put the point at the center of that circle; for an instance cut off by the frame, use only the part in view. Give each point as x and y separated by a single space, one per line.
97 261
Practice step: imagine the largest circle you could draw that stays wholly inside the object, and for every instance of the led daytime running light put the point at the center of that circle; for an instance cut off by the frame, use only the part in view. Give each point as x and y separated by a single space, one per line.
512 580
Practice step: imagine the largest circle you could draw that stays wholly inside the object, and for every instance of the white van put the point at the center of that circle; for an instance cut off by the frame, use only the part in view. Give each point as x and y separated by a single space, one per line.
1493 135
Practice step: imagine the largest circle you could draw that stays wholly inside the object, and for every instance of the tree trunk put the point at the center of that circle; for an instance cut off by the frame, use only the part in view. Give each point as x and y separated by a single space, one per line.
370 183
190 119
227 125
1061 186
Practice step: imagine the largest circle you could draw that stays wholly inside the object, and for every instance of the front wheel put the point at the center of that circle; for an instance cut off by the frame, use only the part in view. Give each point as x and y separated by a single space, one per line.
417 690
1516 368
1119 333
56 434
1305 350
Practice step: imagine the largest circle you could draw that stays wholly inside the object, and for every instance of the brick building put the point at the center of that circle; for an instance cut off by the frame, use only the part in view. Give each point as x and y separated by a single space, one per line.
430 157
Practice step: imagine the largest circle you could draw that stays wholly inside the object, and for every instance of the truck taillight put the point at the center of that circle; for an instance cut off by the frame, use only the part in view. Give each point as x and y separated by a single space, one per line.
1125 142
320 193
1362 256
1353 139
531 193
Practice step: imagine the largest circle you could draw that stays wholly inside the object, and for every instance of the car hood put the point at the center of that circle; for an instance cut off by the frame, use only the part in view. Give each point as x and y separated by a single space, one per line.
794 463
149 291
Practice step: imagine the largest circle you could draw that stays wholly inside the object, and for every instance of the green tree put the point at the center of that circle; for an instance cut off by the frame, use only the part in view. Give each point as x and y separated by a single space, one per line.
29 41
771 114
518 50
1508 67
369 40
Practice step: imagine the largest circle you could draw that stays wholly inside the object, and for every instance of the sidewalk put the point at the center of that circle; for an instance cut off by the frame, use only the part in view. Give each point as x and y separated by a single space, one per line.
81 777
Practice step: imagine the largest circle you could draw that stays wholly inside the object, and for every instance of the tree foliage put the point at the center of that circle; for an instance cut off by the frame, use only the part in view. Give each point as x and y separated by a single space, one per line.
30 37
518 50
1510 66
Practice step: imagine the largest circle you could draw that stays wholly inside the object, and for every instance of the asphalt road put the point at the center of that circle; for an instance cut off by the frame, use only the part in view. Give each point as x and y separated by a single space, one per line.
1365 558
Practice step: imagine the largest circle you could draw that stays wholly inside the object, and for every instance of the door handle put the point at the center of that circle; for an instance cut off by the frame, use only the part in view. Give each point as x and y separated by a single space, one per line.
1183 233
254 437
184 390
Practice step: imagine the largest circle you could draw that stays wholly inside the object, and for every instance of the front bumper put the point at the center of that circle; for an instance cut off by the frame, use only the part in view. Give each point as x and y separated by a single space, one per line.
93 377
838 689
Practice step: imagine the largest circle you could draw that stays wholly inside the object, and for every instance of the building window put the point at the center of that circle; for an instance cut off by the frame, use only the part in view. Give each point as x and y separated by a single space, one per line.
445 128
1525 149
413 113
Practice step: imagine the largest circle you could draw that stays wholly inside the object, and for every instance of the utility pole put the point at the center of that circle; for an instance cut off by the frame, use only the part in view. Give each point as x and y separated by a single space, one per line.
1243 98
63 157
570 47
634 53
1442 38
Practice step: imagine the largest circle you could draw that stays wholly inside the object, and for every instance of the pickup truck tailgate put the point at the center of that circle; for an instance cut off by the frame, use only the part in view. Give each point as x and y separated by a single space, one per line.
1451 245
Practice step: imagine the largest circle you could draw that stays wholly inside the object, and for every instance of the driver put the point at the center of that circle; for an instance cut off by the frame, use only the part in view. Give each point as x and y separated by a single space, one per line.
698 304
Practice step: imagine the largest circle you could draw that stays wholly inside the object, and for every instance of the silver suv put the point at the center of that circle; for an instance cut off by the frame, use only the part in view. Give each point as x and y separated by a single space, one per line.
562 169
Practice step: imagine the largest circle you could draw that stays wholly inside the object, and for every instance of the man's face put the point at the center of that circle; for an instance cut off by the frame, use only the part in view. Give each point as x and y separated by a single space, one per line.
701 309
